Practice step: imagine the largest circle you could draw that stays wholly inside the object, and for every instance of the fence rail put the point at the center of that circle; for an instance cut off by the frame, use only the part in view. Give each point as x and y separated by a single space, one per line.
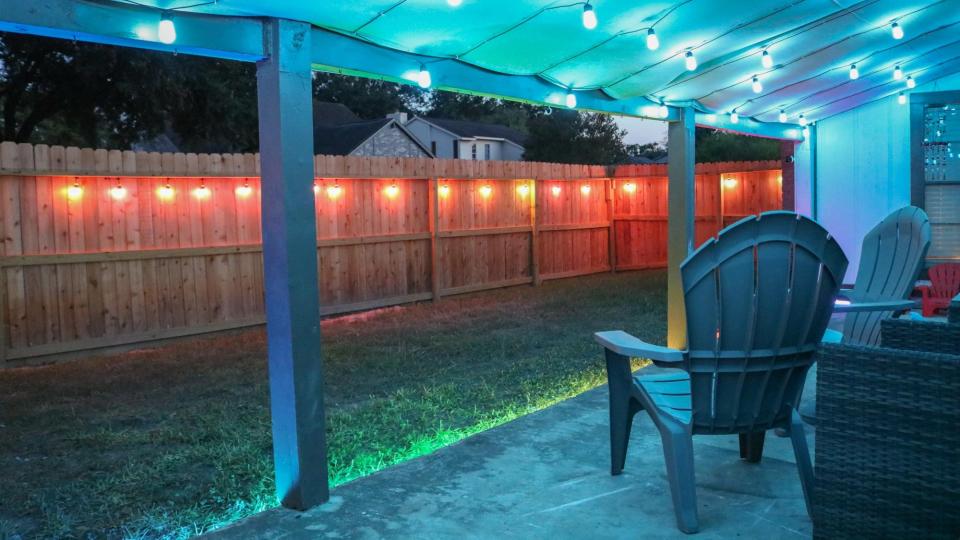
94 251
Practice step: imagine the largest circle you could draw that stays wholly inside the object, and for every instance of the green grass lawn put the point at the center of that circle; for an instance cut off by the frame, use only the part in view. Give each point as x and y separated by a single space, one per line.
175 440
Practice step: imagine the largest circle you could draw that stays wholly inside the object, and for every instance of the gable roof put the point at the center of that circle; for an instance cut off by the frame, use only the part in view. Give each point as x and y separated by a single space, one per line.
466 128
342 139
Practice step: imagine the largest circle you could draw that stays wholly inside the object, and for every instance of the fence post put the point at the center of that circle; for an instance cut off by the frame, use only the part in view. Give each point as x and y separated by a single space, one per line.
611 187
534 234
433 207
3 319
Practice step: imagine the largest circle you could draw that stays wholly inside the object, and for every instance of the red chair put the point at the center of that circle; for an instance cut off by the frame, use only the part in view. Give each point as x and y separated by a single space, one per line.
944 285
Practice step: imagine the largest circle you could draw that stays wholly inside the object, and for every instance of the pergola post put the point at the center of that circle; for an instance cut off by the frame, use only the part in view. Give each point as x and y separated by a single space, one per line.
805 174
290 265
681 165
787 180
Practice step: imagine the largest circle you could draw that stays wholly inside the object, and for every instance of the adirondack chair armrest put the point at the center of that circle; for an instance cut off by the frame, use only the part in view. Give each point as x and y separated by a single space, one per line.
883 305
624 344
925 290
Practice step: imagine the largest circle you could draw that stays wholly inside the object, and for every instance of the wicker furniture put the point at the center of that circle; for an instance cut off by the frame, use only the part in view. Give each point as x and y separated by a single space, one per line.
953 312
888 435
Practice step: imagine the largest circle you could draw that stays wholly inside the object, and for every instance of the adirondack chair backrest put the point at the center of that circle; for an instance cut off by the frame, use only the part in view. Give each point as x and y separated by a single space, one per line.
945 280
758 299
890 261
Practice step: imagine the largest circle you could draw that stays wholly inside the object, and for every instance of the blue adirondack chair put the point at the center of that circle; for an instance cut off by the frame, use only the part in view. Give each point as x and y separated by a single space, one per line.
758 299
891 257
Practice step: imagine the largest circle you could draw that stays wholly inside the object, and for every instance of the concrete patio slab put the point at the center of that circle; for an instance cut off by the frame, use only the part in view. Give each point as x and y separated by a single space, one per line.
546 475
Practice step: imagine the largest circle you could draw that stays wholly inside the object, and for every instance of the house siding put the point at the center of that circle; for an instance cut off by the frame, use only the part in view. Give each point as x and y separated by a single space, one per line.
390 141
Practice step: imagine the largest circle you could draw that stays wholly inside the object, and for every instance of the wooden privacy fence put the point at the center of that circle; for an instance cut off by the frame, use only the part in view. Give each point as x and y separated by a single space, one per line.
100 248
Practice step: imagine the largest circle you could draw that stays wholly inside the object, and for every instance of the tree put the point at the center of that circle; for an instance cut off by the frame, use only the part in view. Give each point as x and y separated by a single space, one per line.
564 136
651 151
715 145
367 98
456 106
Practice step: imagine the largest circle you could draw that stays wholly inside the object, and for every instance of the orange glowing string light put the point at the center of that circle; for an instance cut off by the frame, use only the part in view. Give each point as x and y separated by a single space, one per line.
585 189
165 192
729 183
245 190
630 187
523 190
202 192
334 191
555 190
316 188
486 191
444 190
118 192
74 192
392 191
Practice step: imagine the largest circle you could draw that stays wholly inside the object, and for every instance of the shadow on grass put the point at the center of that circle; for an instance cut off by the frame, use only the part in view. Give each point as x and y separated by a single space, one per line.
172 441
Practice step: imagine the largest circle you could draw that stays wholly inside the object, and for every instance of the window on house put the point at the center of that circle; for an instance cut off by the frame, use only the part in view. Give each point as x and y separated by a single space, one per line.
486 151
941 185
456 149
473 151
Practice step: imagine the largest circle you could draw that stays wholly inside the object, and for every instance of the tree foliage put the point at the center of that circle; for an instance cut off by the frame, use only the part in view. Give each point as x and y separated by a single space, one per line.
564 136
714 145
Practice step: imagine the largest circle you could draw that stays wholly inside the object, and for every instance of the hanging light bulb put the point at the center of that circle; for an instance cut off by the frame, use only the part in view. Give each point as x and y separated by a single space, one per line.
783 116
316 188
897 73
571 100
392 191
756 85
766 60
202 192
806 133
166 31
729 182
555 190
423 78
630 187
444 190
585 189
75 191
523 189
902 99
486 191
663 110
911 83
334 191
165 192
734 117
653 43
896 31
854 72
802 120
454 3
118 192
589 17
244 191
690 61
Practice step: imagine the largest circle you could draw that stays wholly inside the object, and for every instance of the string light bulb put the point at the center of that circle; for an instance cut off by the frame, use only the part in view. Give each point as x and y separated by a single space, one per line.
729 182
902 99
165 192
75 191
911 83
118 192
585 189
571 100
802 119
630 187
555 190
166 30
423 78
392 191
897 73
589 17
486 191
734 117
653 42
334 191
783 116
766 60
244 191
523 189
854 72
662 110
756 85
806 133
202 192
444 190
690 61
316 188
454 3
896 31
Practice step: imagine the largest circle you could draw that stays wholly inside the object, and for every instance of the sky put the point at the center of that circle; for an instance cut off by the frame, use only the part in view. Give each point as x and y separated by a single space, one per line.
642 131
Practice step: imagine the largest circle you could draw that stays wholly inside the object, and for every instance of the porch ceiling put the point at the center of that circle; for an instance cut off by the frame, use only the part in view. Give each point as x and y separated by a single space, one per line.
813 44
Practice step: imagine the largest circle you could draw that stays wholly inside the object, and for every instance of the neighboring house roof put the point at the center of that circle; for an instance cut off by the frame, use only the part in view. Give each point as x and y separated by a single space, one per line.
465 128
640 160
333 114
337 131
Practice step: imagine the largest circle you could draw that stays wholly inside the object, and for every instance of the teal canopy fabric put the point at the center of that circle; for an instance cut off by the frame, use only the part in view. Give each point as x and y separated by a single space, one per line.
813 44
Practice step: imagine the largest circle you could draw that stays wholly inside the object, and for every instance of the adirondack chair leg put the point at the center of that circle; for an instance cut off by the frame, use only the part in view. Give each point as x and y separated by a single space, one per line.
751 446
802 454
678 454
622 409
